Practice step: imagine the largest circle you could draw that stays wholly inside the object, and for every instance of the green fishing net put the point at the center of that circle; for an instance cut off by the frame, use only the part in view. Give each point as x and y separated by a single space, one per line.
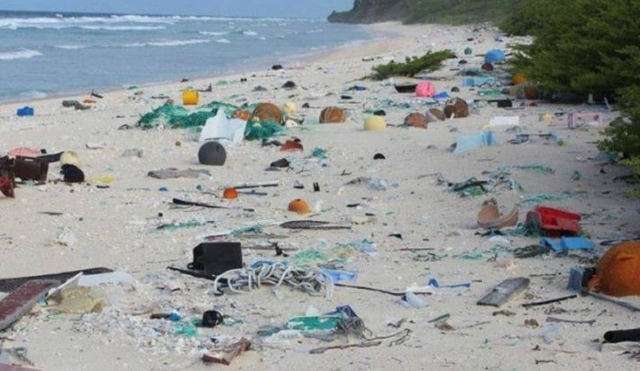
179 117
262 130
175 116
161 115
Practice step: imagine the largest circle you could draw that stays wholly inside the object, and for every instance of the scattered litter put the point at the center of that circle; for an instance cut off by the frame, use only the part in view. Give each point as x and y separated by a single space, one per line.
170 173
465 143
505 292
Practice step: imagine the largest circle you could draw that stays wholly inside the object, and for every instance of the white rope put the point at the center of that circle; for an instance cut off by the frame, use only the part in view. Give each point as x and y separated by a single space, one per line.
242 281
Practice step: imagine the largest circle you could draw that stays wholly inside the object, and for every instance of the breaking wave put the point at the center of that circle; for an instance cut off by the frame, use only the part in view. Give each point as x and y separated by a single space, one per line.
179 42
19 54
213 33
123 28
70 47
164 43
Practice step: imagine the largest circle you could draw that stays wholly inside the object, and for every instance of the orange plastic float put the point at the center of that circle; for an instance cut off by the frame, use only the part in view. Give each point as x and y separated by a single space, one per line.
519 79
230 193
267 112
299 206
190 97
332 115
618 271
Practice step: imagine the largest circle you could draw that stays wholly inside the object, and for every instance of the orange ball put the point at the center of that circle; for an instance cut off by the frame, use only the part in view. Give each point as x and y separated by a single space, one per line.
299 206
519 79
230 193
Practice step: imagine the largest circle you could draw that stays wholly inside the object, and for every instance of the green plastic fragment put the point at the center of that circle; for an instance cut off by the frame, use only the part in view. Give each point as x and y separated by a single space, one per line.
313 323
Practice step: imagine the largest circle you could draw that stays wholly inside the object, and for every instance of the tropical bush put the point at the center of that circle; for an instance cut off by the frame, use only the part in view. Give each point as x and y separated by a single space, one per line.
429 62
586 47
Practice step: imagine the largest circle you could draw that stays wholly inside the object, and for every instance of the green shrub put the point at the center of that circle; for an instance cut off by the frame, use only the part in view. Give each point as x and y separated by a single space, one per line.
585 46
626 138
429 62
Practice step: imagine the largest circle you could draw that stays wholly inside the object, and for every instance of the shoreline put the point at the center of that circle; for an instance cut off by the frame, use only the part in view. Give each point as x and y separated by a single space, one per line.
407 224
304 57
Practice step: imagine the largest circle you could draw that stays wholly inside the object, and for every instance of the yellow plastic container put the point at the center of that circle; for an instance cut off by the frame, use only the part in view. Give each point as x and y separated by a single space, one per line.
190 97
375 123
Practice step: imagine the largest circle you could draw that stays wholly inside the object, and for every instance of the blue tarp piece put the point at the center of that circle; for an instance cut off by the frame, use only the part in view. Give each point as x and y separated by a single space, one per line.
465 143
567 243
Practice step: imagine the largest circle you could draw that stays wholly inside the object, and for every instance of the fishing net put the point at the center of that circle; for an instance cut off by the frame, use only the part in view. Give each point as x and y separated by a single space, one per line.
262 130
179 117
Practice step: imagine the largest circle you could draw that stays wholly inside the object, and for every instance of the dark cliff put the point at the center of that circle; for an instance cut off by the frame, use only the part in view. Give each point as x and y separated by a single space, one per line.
428 11
370 11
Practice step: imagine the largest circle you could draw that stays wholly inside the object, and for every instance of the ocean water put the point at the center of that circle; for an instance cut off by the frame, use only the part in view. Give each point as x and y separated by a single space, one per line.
44 54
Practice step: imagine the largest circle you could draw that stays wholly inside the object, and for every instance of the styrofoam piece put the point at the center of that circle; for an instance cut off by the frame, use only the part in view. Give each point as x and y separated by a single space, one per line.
504 121
219 127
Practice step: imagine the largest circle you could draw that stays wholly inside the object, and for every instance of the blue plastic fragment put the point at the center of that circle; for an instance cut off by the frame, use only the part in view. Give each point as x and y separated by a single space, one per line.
337 275
434 283
469 142
567 243
441 95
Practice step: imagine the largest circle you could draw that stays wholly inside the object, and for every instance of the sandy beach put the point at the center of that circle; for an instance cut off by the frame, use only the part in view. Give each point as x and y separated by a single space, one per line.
57 227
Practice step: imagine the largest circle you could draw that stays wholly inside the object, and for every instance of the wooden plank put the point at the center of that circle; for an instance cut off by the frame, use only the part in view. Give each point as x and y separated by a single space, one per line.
504 292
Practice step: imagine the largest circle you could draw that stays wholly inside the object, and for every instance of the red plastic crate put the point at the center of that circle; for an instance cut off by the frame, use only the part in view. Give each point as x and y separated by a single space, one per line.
554 222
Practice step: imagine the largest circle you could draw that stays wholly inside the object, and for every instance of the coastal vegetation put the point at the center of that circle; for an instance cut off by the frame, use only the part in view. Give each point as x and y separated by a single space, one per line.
429 11
581 48
586 47
429 62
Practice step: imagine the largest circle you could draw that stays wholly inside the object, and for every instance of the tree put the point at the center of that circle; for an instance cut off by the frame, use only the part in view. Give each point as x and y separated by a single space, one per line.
584 46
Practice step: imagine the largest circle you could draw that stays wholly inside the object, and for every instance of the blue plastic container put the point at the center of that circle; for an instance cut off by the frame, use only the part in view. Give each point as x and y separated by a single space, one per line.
25 111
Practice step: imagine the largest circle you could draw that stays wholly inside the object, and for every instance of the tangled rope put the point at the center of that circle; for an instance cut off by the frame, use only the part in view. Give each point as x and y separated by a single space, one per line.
310 280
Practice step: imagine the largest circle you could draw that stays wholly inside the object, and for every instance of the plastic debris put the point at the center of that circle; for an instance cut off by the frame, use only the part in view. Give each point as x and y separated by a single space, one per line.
465 143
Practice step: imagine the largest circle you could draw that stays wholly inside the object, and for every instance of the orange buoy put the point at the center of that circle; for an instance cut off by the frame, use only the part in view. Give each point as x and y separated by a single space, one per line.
267 112
230 193
190 97
299 206
618 271
416 120
332 115
519 79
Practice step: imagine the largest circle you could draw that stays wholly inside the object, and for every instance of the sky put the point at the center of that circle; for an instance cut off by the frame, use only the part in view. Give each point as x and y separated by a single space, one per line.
249 8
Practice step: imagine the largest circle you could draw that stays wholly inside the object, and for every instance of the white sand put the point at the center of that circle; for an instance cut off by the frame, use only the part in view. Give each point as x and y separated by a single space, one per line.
114 227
